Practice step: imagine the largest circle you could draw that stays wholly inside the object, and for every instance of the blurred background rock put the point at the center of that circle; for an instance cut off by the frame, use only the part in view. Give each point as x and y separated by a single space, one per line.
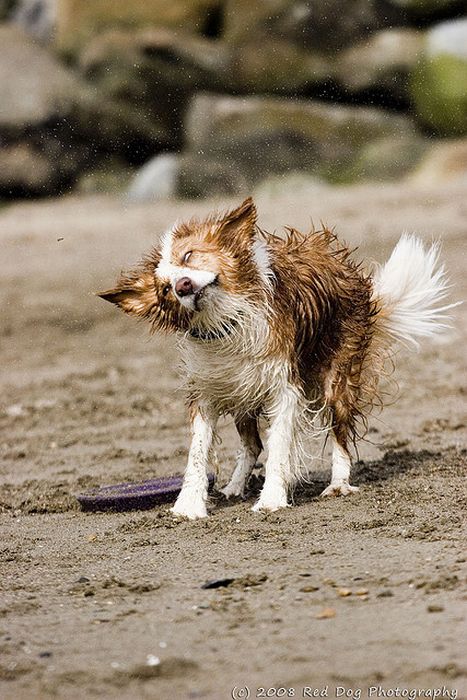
194 98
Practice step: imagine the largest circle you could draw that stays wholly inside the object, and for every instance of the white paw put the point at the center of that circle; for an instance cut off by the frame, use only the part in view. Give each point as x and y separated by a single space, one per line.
339 488
271 501
189 506
233 489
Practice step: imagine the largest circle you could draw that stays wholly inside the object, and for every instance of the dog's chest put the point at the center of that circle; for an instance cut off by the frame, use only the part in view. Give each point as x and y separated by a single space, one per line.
234 382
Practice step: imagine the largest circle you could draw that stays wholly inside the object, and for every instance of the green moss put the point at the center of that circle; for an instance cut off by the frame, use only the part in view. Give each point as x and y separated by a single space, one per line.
439 91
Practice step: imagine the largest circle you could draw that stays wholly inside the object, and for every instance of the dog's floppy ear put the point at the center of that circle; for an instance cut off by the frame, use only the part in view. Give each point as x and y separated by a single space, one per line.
237 227
134 293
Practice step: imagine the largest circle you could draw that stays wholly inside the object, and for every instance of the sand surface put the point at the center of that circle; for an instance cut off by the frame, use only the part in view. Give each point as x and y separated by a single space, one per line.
112 605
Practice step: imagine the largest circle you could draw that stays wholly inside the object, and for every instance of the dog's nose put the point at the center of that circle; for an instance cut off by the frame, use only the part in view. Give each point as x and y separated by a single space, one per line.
184 287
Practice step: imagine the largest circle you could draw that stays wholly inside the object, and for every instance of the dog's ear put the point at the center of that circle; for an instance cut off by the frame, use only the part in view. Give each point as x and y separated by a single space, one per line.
134 293
237 227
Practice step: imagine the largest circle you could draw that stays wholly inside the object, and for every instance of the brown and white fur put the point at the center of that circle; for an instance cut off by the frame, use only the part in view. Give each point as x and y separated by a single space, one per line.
289 329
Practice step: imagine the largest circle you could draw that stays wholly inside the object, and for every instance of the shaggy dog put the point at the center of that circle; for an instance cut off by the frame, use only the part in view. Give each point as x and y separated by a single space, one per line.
289 329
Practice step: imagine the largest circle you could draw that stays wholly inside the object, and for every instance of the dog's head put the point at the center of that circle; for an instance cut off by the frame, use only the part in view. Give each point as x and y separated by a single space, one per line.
205 275
214 266
142 293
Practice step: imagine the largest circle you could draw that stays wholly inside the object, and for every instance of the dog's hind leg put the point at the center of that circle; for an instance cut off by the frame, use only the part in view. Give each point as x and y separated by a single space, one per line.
250 449
341 461
192 499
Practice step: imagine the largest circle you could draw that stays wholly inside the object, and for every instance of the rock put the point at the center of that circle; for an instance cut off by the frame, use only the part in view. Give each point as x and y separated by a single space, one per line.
383 61
321 25
439 83
446 161
34 87
389 158
156 70
276 65
269 135
24 170
157 179
78 20
37 18
188 175
52 120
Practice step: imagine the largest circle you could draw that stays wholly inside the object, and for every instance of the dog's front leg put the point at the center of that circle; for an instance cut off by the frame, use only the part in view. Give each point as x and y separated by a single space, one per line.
280 437
192 499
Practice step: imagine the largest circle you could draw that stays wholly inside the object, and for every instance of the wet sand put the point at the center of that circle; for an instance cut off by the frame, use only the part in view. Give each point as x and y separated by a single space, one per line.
111 605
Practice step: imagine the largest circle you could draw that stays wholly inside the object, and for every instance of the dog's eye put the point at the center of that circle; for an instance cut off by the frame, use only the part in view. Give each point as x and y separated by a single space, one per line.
166 289
187 256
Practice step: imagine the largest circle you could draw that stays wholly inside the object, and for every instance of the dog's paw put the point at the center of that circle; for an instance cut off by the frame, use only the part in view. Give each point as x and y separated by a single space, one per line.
188 507
339 488
233 490
271 501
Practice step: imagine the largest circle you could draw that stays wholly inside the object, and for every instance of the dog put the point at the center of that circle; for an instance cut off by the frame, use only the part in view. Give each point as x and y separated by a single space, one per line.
287 329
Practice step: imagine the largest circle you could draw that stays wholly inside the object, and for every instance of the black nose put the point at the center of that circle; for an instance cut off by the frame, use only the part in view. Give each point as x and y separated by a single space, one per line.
184 287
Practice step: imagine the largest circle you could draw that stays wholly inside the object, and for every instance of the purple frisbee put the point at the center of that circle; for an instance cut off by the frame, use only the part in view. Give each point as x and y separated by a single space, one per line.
134 496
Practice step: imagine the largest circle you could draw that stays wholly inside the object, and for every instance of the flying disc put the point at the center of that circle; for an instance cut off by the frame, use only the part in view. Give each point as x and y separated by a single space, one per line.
134 496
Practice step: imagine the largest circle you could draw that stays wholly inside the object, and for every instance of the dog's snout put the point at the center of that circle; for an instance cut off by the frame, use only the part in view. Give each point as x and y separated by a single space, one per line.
184 287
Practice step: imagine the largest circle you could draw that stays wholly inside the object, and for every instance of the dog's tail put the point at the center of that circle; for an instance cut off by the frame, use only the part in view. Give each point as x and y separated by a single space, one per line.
409 291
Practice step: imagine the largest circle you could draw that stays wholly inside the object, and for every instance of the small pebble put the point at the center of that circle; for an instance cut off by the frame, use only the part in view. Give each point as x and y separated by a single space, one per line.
309 589
325 614
362 591
344 592
435 608
385 594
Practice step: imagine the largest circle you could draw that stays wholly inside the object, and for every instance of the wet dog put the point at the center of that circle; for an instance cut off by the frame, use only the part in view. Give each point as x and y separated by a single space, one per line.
286 328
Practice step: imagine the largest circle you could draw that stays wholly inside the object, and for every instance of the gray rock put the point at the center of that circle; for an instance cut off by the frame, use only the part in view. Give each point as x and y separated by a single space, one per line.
382 61
157 179
268 135
24 170
37 18
59 118
187 175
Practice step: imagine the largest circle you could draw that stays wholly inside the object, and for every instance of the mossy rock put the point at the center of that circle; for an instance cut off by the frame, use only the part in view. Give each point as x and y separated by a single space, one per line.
439 89
388 159
439 83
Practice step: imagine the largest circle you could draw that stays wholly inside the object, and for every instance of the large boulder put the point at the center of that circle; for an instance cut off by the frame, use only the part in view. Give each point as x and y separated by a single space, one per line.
381 62
439 83
235 143
48 114
266 135
78 20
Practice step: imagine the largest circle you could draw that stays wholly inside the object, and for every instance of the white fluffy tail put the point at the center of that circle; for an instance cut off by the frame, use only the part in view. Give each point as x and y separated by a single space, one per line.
409 290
